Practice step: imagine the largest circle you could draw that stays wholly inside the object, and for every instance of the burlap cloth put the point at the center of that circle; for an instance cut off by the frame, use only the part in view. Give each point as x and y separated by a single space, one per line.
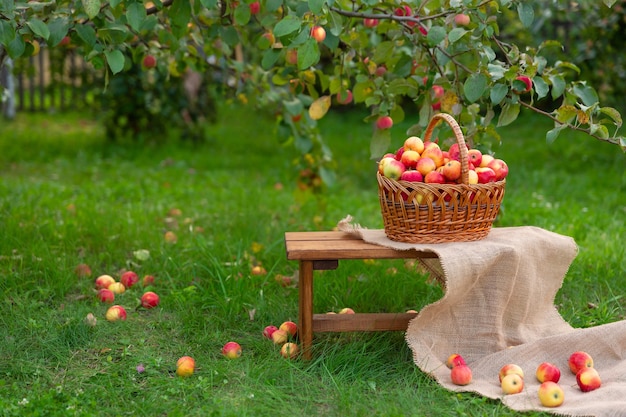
498 308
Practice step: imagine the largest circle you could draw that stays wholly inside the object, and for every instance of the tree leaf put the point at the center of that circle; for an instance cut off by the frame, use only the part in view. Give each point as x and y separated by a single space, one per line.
92 7
287 26
242 14
509 114
380 142
613 114
115 59
7 32
474 87
436 34
558 86
39 28
456 34
316 6
526 13
541 87
498 92
599 130
58 30
87 34
135 15
552 134
587 94
319 107
308 54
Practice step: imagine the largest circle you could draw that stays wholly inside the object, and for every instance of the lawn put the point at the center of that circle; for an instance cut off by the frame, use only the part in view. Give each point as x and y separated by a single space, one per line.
68 197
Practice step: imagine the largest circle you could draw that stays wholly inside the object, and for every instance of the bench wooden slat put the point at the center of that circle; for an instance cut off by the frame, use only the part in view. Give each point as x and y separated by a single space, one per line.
362 322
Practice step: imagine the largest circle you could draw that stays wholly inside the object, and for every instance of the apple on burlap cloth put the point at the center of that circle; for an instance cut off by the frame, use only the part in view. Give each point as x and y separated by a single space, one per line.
498 308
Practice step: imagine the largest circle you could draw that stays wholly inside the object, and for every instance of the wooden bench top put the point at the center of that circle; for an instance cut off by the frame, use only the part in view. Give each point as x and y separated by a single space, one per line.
333 245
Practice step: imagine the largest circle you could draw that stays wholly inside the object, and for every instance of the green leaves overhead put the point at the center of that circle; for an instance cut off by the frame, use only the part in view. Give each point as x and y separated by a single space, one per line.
92 7
136 14
474 87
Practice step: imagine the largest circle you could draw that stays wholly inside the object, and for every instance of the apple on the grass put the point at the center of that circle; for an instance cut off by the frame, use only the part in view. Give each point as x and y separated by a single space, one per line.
346 310
461 375
409 158
550 394
103 281
290 327
280 336
106 295
148 280
394 169
289 350
269 330
414 143
512 384
579 360
231 350
129 278
115 313
149 300
117 288
547 371
588 379
455 360
185 366
508 369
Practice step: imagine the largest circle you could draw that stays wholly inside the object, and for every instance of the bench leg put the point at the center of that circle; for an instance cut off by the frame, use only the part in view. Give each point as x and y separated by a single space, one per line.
306 307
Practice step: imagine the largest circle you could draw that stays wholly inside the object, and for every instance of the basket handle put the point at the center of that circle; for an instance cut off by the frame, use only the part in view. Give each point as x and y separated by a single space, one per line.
456 129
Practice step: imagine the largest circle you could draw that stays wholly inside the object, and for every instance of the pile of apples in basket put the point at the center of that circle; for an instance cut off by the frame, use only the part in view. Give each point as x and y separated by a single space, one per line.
419 161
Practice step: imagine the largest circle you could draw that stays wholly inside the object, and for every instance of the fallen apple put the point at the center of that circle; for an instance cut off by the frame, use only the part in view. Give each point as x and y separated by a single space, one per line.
547 371
461 375
106 296
290 327
512 384
588 379
289 350
185 366
149 300
231 350
115 313
129 278
103 281
550 394
579 360
455 360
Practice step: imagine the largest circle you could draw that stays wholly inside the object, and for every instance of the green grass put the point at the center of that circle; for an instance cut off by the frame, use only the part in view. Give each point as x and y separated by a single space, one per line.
69 197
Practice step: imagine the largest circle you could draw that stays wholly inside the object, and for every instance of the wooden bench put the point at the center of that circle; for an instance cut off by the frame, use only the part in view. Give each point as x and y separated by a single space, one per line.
318 251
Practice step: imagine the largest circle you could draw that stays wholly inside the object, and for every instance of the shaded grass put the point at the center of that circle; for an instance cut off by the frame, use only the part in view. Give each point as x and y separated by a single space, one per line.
69 197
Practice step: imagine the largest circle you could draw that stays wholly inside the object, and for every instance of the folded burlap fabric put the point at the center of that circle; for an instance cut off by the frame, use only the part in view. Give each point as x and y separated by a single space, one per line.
498 308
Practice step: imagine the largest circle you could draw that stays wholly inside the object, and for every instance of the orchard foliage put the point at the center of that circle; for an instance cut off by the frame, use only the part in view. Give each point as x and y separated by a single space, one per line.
403 59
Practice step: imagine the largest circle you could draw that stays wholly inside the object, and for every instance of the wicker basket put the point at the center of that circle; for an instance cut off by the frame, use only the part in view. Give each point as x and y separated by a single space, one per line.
416 212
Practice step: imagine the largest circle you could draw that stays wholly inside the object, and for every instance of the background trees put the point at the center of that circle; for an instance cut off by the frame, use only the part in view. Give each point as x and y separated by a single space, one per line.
403 60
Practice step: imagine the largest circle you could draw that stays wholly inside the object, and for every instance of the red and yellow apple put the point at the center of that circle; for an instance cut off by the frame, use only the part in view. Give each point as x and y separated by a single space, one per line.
268 331
185 366
412 175
289 350
462 19
394 169
149 300
475 157
370 23
117 288
384 122
485 175
409 158
290 327
129 278
579 360
106 295
414 143
452 170
346 310
500 168
280 336
425 165
550 394
455 360
103 281
231 350
461 375
115 313
512 384
508 369
318 33
148 280
588 379
547 371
